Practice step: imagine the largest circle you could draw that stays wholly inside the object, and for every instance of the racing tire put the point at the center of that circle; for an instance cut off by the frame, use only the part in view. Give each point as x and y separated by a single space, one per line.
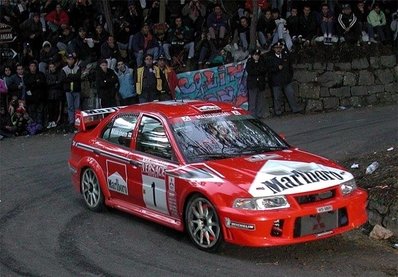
91 191
203 224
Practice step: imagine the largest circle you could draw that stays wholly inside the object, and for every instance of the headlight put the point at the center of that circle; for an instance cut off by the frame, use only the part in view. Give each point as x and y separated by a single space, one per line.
348 187
262 203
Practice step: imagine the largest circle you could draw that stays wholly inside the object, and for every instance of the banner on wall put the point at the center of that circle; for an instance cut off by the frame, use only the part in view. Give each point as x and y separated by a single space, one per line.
226 83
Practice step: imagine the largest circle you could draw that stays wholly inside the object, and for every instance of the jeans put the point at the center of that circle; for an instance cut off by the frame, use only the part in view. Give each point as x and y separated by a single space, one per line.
73 100
262 38
280 33
327 28
243 40
380 31
190 46
221 30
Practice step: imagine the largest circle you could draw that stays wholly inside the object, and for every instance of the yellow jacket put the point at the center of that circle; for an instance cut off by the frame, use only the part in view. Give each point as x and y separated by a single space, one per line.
140 75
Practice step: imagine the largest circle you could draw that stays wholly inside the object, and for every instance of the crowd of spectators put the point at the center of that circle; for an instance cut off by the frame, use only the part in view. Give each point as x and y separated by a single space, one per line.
59 41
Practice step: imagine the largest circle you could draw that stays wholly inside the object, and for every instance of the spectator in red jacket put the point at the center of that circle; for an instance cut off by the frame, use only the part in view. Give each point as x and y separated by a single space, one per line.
56 18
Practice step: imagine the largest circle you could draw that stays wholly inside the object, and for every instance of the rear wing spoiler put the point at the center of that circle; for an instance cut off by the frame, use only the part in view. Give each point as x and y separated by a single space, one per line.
89 118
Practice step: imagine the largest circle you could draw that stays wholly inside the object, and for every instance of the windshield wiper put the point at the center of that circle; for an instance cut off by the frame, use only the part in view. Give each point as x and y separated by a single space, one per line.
261 149
217 155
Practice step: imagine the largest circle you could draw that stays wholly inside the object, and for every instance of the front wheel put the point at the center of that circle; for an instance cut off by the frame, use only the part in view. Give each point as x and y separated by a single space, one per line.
91 191
203 224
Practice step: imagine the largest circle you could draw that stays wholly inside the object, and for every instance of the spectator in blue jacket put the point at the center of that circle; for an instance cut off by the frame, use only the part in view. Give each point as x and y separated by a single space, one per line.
126 84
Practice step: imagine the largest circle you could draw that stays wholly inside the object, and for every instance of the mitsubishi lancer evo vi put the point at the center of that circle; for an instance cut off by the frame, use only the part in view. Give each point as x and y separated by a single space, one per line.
212 170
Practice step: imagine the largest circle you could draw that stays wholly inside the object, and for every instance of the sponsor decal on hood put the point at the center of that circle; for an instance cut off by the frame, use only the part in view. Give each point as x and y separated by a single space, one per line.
278 177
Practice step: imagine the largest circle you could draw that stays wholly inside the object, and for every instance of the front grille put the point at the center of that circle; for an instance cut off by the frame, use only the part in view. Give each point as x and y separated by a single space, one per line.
311 198
320 223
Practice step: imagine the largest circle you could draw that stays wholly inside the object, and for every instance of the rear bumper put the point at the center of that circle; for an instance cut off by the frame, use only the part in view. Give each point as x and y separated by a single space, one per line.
280 227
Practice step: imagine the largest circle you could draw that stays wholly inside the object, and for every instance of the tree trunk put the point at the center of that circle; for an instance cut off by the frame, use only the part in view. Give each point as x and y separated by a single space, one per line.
253 26
162 11
106 10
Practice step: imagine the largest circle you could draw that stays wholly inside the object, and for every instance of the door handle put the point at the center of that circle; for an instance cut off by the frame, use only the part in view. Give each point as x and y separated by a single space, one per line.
97 152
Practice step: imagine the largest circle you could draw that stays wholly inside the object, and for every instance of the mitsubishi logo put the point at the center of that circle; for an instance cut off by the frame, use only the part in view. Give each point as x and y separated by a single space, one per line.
319 225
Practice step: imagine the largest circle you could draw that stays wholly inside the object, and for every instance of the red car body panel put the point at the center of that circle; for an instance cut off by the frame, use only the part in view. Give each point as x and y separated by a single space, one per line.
115 165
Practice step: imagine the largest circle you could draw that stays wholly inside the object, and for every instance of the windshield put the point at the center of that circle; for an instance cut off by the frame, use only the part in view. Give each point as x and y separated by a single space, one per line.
224 137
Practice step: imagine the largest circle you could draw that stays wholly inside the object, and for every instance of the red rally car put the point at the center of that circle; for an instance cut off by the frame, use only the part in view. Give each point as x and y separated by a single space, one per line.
212 170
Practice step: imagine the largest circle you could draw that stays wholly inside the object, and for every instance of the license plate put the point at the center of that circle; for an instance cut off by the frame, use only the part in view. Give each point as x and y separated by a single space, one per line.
318 223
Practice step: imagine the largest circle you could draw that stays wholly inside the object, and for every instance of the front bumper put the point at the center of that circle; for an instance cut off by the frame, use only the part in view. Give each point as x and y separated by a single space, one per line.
282 227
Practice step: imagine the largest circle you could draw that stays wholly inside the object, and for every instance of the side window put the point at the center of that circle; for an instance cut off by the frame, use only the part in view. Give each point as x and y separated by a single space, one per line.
152 138
120 130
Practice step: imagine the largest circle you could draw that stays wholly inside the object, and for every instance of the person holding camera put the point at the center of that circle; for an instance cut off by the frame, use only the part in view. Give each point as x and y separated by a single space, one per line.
194 12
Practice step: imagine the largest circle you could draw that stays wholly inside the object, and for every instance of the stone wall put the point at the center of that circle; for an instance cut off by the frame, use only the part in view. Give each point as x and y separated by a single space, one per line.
362 82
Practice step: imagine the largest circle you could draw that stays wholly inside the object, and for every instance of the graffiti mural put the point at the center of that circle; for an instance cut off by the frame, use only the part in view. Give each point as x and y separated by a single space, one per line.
226 83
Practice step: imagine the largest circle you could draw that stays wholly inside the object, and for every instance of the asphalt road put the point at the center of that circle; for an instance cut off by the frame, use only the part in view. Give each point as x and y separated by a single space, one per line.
45 230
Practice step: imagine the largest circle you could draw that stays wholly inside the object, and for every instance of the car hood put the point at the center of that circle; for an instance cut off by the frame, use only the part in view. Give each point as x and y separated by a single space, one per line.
280 173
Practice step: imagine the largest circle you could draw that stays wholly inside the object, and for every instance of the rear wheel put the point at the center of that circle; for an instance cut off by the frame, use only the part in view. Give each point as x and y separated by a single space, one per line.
91 191
203 224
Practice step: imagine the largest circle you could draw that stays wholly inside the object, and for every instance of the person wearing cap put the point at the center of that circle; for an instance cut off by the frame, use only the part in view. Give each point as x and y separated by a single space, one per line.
280 77
169 81
36 93
47 54
127 93
148 81
71 80
107 84
348 27
256 72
